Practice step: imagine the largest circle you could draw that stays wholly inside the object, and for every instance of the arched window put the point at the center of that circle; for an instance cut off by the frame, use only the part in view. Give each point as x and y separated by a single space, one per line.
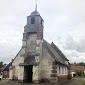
32 20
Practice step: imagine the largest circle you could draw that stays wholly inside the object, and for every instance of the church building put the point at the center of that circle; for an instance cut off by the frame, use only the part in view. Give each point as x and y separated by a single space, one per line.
38 61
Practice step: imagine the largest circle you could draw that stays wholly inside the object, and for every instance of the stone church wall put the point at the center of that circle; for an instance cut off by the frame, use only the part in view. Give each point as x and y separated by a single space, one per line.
31 44
42 73
11 74
39 51
19 58
47 62
15 73
21 73
37 70
35 74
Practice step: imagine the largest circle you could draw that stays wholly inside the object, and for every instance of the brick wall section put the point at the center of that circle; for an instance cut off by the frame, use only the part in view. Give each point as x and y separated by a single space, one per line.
62 78
54 70
54 73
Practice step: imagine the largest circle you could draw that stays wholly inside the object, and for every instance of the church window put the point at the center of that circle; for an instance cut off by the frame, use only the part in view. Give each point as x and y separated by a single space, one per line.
62 70
32 20
66 70
59 70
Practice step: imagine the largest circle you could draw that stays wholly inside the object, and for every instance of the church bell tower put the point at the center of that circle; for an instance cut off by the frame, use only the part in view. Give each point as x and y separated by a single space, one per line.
33 33
34 25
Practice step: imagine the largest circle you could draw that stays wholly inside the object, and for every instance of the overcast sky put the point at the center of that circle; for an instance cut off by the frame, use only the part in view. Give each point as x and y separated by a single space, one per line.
64 24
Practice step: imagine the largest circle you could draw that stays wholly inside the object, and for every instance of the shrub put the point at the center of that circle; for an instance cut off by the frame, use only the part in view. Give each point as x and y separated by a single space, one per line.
79 73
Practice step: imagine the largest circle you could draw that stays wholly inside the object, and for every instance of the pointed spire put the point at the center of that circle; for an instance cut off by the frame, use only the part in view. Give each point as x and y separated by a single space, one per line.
36 6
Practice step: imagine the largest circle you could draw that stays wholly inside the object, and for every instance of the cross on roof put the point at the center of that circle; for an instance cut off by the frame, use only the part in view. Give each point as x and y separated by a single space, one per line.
36 6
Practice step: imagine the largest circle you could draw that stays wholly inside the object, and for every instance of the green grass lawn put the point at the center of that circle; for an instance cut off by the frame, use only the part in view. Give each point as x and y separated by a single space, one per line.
4 84
83 83
79 77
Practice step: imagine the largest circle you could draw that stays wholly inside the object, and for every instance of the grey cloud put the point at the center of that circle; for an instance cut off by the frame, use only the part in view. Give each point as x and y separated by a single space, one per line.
64 24
8 50
72 44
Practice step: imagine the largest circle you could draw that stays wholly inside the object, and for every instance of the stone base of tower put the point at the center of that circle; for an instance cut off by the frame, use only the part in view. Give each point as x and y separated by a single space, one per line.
36 82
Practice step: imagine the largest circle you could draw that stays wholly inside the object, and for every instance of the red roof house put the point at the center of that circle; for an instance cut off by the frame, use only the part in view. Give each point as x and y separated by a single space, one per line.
75 68
81 68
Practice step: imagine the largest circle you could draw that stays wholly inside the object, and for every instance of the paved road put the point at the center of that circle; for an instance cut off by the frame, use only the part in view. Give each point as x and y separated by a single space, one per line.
71 82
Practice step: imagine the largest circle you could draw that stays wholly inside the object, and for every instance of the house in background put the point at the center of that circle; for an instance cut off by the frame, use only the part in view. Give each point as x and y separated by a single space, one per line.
77 68
0 70
5 71
1 74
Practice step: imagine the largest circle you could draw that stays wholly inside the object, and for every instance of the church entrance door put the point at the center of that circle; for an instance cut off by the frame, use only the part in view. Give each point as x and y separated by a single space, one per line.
28 73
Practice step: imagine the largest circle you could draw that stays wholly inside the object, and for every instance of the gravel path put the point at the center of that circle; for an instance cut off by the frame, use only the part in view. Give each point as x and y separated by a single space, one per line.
71 82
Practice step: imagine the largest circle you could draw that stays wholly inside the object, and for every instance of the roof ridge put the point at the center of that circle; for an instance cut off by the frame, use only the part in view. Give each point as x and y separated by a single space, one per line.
59 51
17 54
54 54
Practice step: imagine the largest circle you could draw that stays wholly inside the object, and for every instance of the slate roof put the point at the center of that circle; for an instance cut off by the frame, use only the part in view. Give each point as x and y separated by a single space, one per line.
59 51
82 68
7 67
54 53
35 13
30 60
32 29
17 54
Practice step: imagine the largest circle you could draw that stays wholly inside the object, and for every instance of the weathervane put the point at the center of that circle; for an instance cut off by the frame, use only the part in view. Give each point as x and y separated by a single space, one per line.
36 6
